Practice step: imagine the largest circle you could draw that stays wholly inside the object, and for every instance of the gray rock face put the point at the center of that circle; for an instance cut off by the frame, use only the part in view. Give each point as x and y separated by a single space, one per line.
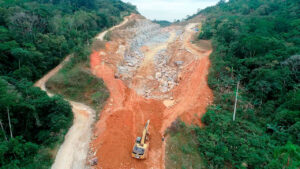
146 33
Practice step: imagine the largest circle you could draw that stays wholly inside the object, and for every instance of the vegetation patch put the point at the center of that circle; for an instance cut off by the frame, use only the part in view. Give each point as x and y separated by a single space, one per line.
31 124
107 36
181 147
75 81
98 44
162 23
34 37
203 44
256 43
78 84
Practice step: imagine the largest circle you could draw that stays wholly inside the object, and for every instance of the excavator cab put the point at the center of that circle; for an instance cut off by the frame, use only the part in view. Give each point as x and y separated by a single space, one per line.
138 140
140 148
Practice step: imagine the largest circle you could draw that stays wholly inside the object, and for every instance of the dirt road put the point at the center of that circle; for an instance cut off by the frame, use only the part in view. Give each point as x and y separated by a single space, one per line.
126 112
42 82
102 34
72 154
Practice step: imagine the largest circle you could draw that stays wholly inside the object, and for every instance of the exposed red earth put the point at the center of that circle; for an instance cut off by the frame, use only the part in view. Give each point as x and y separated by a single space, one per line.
125 113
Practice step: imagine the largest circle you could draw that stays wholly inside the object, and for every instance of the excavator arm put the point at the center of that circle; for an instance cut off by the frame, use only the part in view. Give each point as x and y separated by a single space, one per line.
145 132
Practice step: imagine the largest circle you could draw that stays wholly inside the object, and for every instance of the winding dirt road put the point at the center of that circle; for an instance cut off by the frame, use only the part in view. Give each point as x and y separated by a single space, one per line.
102 34
72 154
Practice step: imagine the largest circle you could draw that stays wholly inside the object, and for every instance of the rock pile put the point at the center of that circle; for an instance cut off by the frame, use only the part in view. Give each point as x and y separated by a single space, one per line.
165 74
145 33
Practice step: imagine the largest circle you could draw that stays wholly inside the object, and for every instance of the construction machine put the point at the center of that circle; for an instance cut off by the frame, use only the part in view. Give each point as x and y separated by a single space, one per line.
140 148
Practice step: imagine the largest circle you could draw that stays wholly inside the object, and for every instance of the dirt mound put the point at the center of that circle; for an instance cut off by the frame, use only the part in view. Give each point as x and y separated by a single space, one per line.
127 110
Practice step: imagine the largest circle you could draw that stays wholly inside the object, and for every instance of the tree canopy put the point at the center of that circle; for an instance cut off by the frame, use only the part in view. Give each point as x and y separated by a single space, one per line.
256 43
35 35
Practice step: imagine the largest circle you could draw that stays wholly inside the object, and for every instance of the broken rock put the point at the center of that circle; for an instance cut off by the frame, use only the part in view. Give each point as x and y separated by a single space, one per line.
94 161
158 75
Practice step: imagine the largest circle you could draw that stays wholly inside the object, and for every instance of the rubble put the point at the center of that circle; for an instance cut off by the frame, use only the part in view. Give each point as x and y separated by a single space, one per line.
168 75
94 161
140 36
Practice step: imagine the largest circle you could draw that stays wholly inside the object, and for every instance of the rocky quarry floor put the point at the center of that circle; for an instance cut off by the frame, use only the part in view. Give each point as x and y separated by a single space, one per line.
148 47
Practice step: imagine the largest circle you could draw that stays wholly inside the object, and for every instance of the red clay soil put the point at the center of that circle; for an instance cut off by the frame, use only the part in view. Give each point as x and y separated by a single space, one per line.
192 95
125 114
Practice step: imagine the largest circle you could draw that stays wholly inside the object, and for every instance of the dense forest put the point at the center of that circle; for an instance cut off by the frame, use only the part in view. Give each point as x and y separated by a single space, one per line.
256 43
35 35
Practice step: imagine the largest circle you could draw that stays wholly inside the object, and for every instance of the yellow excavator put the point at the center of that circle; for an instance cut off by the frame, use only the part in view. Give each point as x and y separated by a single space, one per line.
140 148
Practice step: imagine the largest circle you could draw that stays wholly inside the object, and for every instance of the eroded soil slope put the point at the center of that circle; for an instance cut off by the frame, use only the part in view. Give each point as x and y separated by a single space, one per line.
152 73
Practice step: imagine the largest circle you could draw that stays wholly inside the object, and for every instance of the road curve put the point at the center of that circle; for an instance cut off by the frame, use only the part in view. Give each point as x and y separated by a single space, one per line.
73 152
102 34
